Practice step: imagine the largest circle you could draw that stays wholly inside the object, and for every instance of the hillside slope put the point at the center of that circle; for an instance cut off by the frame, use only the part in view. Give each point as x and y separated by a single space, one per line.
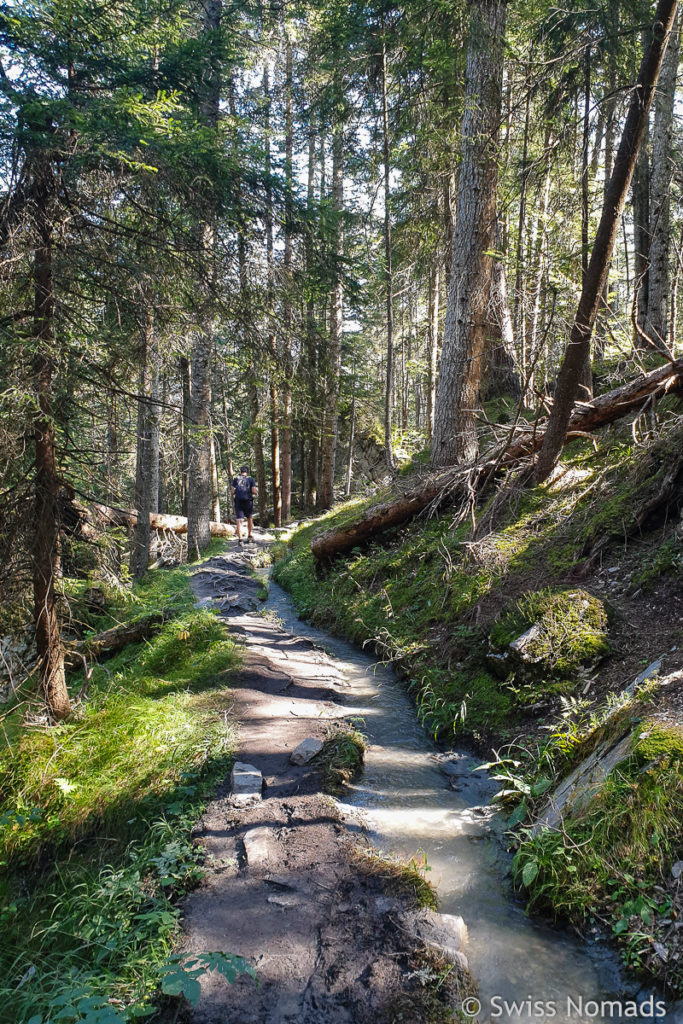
524 641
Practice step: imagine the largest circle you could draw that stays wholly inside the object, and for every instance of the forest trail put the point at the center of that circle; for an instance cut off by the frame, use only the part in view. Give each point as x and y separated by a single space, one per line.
319 931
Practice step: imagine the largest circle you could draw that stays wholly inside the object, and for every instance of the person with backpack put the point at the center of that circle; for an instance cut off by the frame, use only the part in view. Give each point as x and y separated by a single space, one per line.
243 491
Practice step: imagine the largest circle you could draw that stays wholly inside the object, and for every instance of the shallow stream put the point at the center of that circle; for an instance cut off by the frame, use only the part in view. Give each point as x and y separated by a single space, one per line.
410 807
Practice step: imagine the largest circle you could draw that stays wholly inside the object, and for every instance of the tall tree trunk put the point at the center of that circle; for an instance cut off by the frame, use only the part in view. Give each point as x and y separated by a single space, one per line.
312 423
388 275
333 355
147 461
352 436
286 449
229 465
519 306
112 450
634 129
46 552
185 380
673 319
539 265
215 488
457 399
503 378
610 109
272 347
656 323
585 375
641 231
199 494
432 344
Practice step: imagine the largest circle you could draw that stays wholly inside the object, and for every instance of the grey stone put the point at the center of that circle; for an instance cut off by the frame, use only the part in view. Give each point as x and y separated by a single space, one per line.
257 846
461 767
677 869
646 674
247 783
284 899
306 751
521 644
446 933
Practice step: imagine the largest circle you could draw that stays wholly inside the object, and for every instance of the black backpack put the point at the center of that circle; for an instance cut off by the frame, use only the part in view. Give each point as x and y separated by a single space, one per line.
243 488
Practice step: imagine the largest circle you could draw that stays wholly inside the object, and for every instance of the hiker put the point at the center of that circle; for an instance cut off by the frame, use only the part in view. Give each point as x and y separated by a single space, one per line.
243 491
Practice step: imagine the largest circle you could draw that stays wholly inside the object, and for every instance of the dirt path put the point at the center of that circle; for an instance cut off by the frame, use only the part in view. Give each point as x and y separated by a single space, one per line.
328 943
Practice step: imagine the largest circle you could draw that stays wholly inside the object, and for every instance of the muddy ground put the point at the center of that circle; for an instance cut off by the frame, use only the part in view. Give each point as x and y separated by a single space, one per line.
331 941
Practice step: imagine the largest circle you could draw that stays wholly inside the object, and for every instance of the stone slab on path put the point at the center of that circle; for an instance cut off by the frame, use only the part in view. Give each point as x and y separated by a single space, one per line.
283 887
246 784
306 750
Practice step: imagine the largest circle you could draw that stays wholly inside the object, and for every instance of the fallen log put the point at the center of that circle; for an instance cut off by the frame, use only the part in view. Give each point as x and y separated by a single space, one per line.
84 521
111 641
465 481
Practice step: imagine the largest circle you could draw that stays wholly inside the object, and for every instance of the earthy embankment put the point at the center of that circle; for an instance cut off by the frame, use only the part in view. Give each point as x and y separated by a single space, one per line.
288 886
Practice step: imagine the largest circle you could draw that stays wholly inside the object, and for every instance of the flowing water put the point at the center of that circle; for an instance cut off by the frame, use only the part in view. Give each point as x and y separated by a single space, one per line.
410 807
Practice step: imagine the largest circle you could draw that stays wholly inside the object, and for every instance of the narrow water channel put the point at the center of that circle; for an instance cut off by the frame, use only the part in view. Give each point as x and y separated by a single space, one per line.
410 807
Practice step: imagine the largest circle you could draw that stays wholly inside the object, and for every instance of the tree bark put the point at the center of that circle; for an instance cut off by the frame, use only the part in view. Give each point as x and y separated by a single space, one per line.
46 553
215 488
199 496
272 347
184 366
388 274
312 421
286 448
111 641
432 344
333 360
580 338
147 496
656 322
460 373
585 373
502 377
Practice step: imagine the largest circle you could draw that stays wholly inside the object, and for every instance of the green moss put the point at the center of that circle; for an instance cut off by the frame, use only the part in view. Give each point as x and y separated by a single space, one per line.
572 628
660 743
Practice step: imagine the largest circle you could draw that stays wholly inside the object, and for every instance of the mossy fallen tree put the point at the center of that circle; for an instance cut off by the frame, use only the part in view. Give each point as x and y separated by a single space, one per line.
111 641
467 482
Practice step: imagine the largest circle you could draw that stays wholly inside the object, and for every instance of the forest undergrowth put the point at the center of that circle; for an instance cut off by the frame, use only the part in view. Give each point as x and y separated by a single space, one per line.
97 815
593 586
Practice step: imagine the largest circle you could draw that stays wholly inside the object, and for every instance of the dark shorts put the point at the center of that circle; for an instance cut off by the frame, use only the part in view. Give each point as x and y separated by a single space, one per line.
244 509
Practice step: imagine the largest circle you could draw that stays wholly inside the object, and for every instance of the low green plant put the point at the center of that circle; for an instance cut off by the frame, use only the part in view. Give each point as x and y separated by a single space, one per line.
341 758
406 879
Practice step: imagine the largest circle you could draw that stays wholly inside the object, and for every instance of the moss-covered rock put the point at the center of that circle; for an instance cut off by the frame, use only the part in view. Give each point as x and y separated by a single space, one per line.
660 743
557 630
